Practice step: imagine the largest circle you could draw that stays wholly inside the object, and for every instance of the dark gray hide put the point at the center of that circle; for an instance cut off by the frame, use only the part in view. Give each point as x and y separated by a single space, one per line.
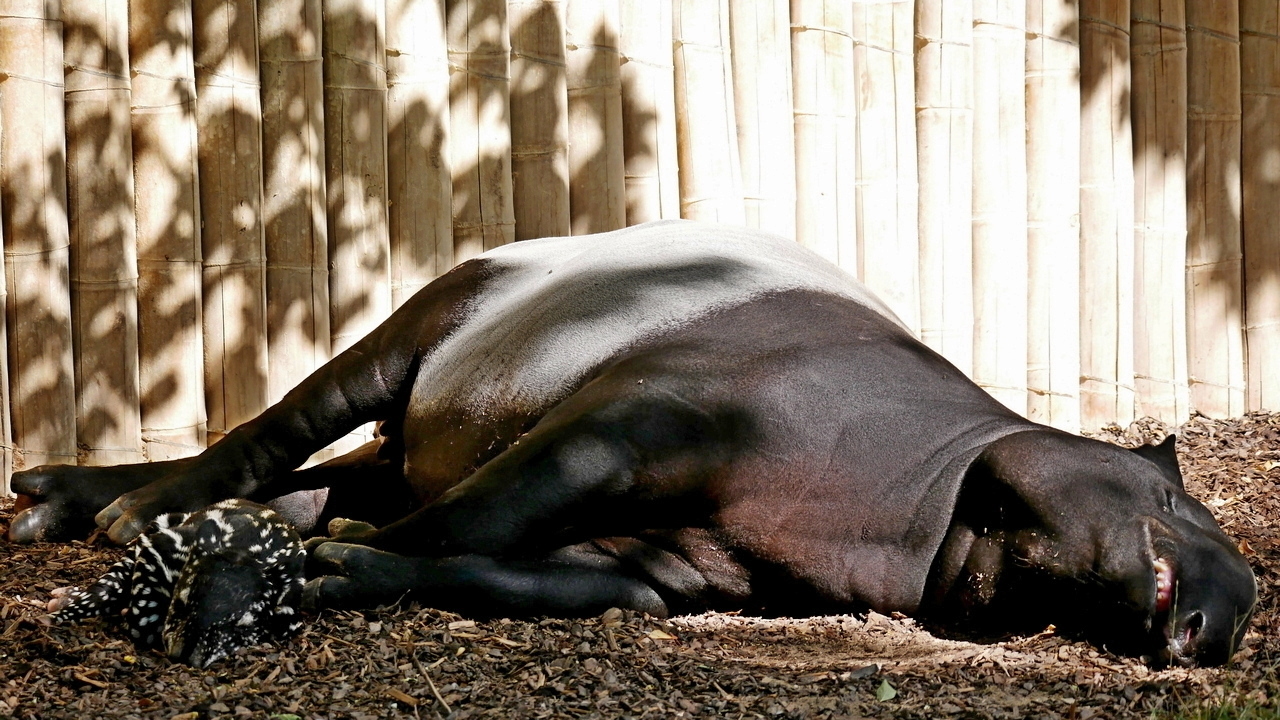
677 417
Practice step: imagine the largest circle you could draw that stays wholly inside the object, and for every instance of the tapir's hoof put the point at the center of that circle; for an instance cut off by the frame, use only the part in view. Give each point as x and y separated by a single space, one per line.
58 502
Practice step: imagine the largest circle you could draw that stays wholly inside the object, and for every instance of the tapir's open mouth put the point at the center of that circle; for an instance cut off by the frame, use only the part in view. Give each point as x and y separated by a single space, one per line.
1164 584
1175 641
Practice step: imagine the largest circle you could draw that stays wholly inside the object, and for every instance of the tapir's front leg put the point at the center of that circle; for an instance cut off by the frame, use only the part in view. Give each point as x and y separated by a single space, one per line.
367 382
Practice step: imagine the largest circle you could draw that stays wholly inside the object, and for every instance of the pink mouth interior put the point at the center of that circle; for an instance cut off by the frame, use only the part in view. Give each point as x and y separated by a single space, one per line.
1164 584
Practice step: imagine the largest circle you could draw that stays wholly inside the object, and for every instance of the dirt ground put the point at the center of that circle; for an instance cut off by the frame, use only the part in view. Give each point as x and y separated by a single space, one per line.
417 662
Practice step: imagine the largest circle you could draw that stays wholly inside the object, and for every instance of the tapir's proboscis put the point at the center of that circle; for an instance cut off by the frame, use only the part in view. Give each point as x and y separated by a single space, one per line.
676 418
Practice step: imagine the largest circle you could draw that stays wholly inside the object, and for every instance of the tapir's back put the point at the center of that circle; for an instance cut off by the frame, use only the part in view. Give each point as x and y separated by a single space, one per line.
557 308
551 312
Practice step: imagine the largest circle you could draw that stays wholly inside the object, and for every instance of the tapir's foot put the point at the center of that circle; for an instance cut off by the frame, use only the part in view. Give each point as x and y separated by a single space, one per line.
186 490
341 530
356 576
59 502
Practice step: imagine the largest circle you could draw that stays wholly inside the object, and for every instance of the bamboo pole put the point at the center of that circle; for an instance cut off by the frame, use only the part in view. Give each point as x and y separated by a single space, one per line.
761 40
420 184
1215 317
1053 213
1000 202
1106 216
648 111
33 195
597 193
479 121
887 179
167 210
355 98
826 155
6 430
104 265
706 131
1159 106
540 101
355 131
1260 166
229 122
293 164
944 151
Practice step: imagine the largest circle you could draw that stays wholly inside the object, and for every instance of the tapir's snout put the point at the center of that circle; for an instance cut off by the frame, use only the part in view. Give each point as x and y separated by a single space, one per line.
1214 593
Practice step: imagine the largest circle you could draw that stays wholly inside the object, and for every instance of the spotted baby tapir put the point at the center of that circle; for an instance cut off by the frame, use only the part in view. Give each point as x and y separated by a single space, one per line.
201 585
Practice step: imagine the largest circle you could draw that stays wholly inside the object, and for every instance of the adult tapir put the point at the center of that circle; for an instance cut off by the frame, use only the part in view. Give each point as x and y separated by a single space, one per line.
678 417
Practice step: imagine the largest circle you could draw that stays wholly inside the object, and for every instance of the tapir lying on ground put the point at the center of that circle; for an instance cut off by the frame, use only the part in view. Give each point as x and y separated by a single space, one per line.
674 418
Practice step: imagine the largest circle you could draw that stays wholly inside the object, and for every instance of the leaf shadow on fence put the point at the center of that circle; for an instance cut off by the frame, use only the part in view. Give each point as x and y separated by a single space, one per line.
33 207
39 346
103 243
1150 46
167 206
597 195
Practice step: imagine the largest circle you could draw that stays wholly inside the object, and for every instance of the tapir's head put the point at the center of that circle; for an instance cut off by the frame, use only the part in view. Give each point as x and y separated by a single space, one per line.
1103 540
221 600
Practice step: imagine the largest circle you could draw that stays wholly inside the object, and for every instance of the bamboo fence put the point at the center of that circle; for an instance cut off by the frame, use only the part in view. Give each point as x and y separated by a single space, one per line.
648 111
295 228
419 176
229 128
597 192
479 119
203 200
887 193
944 157
1159 110
33 196
1106 215
826 136
1000 201
760 33
100 206
167 212
1260 170
706 125
1053 213
6 430
355 100
539 119
1215 338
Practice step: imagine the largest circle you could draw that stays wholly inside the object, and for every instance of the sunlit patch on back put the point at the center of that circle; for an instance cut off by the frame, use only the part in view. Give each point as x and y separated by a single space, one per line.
201 585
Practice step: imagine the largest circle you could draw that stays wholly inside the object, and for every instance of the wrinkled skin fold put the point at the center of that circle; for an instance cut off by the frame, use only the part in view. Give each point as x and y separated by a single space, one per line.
679 417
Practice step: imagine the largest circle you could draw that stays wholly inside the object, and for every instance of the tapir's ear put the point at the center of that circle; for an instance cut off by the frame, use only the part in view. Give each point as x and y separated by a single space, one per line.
1165 458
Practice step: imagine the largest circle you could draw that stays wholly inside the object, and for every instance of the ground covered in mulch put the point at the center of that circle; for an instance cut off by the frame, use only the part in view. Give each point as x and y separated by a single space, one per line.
418 662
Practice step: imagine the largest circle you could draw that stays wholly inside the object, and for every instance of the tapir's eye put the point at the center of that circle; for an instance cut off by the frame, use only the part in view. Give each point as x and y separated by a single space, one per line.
1170 502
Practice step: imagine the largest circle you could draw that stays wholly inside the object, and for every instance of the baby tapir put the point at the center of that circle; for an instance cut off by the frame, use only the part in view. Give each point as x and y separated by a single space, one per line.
201 585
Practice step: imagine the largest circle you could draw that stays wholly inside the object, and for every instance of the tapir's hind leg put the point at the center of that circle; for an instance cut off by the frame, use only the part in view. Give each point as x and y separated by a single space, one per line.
600 465
361 485
367 382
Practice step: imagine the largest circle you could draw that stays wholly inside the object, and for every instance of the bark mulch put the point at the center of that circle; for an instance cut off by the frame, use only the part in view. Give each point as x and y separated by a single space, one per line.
418 662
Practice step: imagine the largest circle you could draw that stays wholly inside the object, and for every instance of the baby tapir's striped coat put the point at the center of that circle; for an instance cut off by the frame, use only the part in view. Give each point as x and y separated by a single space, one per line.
203 584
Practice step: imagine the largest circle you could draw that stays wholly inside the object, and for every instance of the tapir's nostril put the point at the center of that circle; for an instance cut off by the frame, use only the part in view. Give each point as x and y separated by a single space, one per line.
1193 622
